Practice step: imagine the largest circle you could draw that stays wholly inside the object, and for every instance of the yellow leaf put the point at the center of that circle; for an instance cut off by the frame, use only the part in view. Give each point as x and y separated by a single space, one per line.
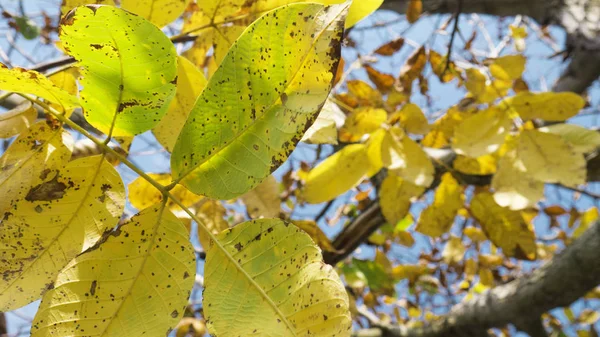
413 120
405 158
190 83
490 261
444 70
549 158
32 159
263 200
481 133
508 67
143 195
384 82
396 98
475 83
587 219
364 93
404 238
514 186
413 67
484 165
413 11
589 316
337 174
409 271
518 32
581 139
390 48
486 277
475 234
505 228
31 82
454 250
324 129
312 229
360 10
18 119
396 196
283 284
61 217
438 217
374 151
442 130
190 327
138 280
549 106
212 213
67 5
470 268
159 12
364 120
65 80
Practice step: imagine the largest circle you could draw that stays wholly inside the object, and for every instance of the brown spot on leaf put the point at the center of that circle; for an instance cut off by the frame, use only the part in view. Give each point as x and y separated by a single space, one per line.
174 314
93 287
47 191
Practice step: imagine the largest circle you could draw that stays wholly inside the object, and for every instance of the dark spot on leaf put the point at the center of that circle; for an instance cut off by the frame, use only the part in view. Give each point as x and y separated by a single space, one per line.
47 191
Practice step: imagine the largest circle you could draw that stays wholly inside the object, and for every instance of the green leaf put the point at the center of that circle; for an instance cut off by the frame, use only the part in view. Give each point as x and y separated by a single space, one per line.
136 281
257 105
27 27
129 68
377 278
58 219
33 158
31 82
273 273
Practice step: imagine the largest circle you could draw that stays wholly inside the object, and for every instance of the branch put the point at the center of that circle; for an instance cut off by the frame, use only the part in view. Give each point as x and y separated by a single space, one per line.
558 283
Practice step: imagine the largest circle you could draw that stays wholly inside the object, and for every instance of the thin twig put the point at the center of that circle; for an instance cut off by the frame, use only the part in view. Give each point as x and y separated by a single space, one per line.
454 30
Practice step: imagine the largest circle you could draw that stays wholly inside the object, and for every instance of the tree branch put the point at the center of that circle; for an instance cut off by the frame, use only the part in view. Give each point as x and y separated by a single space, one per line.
558 283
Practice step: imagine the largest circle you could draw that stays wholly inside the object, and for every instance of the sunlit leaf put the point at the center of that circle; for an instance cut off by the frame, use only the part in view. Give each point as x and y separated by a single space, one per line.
454 250
505 228
31 82
143 195
384 82
263 200
67 5
32 159
66 81
405 158
481 133
484 165
137 280
336 174
412 119
438 217
581 139
515 187
390 48
273 271
396 196
363 120
159 12
507 67
316 234
550 159
257 105
60 218
212 213
442 130
17 119
413 67
550 106
588 217
364 93
445 70
129 68
190 83
324 129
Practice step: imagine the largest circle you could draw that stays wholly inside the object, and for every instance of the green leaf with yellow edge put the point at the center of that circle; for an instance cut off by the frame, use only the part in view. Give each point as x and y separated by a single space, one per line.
405 158
484 165
582 140
336 174
271 270
324 129
67 5
362 121
257 105
60 219
190 83
32 159
143 195
129 68
212 213
412 119
515 187
550 159
396 196
549 106
159 12
505 228
481 133
438 217
136 279
25 81
312 229
17 119
263 200
507 67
